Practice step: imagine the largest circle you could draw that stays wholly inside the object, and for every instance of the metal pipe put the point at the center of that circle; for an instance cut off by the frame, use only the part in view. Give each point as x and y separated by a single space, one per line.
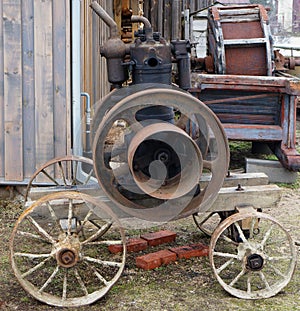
147 25
87 122
113 27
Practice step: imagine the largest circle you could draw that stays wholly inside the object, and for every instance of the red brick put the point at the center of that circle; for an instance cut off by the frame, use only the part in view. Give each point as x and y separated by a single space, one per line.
132 245
160 237
188 251
149 261
166 256
156 259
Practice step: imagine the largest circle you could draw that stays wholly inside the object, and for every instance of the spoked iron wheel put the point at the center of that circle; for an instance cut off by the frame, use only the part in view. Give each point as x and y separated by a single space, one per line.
59 249
260 264
62 173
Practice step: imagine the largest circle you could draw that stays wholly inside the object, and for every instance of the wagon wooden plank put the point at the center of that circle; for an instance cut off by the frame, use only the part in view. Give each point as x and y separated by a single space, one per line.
28 87
13 142
253 132
1 94
262 196
43 81
59 78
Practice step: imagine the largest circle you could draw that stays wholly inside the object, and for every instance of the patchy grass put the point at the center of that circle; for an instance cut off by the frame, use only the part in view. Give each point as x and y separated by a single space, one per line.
181 286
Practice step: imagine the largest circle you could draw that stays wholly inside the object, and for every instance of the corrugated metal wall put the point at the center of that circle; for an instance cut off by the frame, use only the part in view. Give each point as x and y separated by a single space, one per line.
34 85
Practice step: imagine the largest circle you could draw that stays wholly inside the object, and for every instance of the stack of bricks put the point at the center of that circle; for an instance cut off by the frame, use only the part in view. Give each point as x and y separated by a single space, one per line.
162 257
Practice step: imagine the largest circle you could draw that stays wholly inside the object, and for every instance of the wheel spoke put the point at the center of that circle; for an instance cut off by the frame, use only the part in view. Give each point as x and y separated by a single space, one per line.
253 221
32 256
79 279
31 235
263 278
61 169
88 176
104 243
226 255
224 266
33 269
241 233
41 230
279 258
249 284
74 175
70 216
103 262
96 235
86 219
97 274
50 177
267 235
65 284
52 276
277 271
237 277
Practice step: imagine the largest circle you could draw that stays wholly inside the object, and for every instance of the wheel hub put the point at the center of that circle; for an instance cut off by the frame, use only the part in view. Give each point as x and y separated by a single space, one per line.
68 252
254 262
67 258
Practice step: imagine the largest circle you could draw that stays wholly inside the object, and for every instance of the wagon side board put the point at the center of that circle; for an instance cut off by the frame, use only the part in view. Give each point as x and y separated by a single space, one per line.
254 108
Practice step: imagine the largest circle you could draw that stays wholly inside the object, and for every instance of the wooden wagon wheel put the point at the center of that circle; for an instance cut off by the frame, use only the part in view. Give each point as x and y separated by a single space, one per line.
59 249
261 264
59 174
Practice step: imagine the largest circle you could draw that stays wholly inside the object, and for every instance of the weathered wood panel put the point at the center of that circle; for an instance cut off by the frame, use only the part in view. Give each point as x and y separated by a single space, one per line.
35 96
28 85
59 77
43 80
13 142
1 96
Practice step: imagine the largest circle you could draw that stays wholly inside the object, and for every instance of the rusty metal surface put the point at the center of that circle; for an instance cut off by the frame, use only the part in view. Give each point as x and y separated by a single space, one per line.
239 40
178 185
216 162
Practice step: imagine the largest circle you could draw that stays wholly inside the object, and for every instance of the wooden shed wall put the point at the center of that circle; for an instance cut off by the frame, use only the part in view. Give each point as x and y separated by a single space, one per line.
34 85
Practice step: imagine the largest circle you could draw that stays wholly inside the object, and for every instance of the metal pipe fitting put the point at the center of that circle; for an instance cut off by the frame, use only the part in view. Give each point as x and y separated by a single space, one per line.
106 19
147 25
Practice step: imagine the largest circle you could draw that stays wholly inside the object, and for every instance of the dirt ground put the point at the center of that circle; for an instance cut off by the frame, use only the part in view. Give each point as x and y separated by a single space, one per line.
186 285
